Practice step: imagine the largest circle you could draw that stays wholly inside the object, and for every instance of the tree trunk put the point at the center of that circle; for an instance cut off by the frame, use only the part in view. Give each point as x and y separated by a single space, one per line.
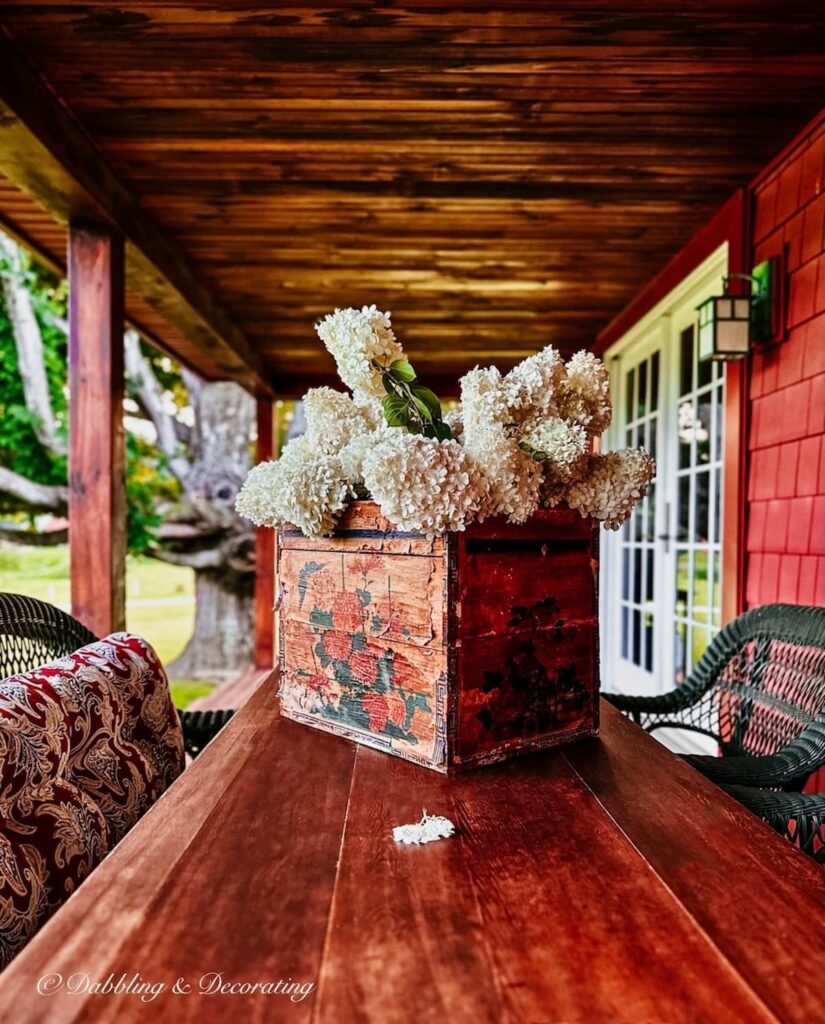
221 549
221 645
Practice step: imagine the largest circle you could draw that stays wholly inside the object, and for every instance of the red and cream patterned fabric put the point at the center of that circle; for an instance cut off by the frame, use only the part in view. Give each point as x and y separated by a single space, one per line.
87 744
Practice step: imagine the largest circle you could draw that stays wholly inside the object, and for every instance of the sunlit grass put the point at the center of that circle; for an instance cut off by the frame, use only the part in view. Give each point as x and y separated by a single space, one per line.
160 600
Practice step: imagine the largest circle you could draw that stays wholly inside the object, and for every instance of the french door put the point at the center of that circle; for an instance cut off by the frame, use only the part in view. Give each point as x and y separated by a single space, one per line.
661 584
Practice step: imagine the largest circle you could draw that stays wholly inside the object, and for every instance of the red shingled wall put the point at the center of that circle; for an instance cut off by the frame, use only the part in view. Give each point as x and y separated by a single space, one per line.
785 513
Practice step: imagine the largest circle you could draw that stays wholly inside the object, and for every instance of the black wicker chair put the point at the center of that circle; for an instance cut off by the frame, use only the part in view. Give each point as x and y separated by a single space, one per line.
33 633
759 691
799 817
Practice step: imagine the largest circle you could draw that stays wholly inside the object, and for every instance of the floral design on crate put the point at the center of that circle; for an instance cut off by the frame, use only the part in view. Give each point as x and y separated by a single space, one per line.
528 697
359 681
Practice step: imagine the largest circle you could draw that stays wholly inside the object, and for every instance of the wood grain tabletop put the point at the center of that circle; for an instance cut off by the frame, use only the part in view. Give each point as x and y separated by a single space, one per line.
604 881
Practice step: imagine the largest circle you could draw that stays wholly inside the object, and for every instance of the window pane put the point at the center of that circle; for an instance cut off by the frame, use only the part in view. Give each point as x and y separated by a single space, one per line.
626 575
701 509
701 597
637 636
650 533
686 423
717 418
682 581
686 361
699 641
641 400
637 575
683 521
717 506
648 625
704 373
629 397
717 590
625 633
702 431
654 383
679 652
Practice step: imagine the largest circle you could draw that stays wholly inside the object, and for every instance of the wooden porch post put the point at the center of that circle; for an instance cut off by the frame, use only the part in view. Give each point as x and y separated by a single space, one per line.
97 472
264 553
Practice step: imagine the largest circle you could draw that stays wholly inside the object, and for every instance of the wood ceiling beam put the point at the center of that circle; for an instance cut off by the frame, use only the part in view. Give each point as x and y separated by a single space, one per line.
46 154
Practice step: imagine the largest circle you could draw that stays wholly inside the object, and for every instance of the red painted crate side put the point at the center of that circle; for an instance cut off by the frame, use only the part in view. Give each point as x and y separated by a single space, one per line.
527 636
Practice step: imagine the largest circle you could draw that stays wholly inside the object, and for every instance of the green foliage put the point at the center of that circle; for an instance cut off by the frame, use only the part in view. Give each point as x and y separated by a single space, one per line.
409 404
20 449
148 479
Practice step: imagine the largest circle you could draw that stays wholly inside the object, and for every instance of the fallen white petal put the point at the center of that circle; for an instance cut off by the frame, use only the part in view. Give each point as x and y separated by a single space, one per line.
428 830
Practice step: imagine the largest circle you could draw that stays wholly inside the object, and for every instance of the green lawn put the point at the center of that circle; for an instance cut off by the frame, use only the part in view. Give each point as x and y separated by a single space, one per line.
160 600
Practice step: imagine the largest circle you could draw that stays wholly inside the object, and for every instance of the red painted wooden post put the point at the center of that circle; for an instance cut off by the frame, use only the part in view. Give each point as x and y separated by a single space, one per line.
97 490
264 554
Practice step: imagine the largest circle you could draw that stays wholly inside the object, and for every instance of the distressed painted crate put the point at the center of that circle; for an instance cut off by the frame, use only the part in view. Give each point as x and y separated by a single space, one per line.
451 652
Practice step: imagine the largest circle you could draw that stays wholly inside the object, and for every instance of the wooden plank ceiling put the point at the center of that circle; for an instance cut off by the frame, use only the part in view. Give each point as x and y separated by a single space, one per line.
499 178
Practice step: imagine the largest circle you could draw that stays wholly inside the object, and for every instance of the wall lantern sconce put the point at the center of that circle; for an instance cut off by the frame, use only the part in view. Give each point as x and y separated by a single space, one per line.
728 324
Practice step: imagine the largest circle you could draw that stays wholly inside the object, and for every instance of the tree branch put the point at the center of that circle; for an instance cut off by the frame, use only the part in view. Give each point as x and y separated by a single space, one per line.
29 345
150 396
42 497
32 538
209 558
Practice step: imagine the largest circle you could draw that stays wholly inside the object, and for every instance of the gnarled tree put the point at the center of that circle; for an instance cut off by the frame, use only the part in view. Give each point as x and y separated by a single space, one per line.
181 486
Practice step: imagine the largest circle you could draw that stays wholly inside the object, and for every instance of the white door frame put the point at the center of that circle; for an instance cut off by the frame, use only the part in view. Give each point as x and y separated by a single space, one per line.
660 326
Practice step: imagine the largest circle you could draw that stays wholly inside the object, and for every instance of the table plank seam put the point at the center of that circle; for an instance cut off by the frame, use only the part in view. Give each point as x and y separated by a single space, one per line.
770 1013
317 1001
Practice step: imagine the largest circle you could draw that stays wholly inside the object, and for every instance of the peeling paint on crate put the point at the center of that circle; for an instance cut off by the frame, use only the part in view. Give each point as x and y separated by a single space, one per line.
447 652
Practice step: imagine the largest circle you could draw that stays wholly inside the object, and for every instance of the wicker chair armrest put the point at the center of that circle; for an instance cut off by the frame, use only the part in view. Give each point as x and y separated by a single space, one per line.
789 765
661 704
743 771
799 817
770 804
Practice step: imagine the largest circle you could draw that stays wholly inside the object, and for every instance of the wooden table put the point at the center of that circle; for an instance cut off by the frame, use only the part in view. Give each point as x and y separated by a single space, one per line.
600 882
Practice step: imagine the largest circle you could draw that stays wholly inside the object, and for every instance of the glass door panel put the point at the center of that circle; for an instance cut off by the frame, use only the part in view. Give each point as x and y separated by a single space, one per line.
661 589
639 629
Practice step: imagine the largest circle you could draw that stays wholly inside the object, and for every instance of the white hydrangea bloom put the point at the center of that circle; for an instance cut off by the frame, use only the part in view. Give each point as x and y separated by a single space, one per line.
513 477
531 385
302 488
560 446
456 424
423 484
583 396
612 485
353 455
483 399
333 419
370 409
355 338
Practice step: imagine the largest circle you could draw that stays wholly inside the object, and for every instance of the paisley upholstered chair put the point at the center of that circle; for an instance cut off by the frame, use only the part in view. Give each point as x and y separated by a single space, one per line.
88 742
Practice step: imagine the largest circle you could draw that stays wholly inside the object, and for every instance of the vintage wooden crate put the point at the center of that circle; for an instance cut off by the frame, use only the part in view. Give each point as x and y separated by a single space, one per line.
449 652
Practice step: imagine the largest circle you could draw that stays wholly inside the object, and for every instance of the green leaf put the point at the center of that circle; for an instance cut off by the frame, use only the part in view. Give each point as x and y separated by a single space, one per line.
396 411
402 370
442 431
423 408
430 400
386 380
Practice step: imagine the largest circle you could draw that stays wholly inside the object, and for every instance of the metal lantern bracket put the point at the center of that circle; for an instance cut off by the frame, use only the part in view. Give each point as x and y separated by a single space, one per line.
761 280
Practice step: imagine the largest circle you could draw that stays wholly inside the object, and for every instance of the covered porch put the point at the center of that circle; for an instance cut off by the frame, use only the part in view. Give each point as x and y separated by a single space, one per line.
221 177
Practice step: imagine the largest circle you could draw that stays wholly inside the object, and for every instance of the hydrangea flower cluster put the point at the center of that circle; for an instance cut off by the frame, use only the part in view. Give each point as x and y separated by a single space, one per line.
519 442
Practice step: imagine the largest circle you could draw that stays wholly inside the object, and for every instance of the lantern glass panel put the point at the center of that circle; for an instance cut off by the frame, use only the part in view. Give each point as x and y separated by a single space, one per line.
742 309
707 335
732 337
